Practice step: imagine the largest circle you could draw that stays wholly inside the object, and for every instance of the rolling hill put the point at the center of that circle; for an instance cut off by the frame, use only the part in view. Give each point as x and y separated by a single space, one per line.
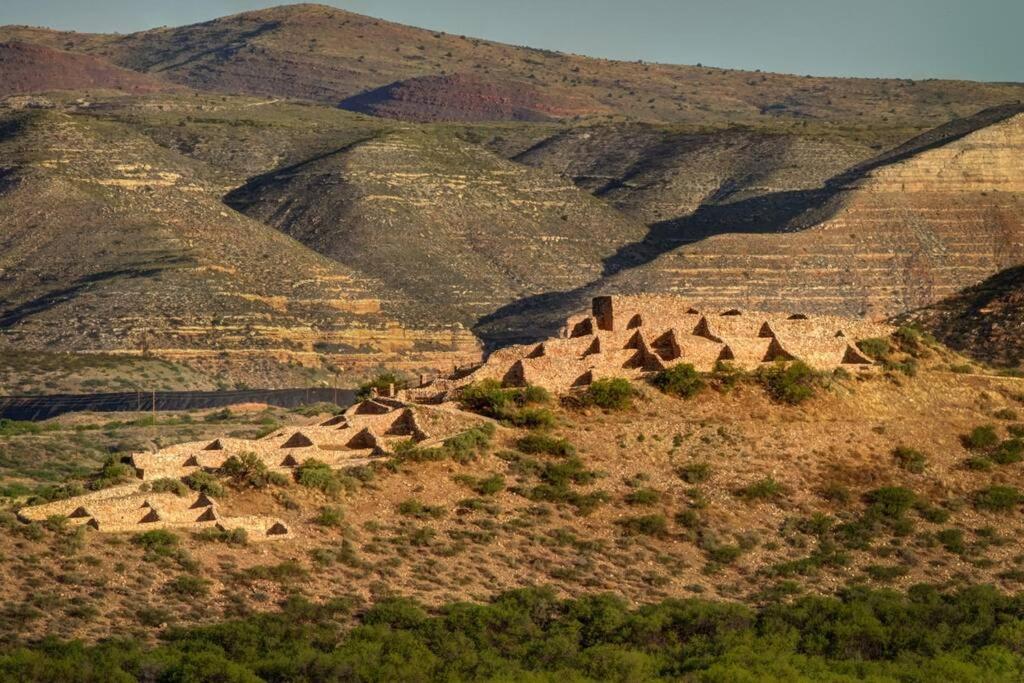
112 243
327 55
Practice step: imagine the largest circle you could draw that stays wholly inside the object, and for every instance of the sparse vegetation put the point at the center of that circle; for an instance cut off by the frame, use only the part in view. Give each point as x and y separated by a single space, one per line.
679 380
247 470
791 383
613 393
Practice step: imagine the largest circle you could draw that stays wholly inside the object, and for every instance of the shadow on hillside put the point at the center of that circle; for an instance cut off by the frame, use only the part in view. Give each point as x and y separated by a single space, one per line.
540 316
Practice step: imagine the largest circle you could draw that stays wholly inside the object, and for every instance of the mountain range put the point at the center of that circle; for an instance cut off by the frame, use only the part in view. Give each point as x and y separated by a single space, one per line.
307 186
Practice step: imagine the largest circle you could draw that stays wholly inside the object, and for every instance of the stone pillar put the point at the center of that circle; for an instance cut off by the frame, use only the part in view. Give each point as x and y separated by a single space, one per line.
602 308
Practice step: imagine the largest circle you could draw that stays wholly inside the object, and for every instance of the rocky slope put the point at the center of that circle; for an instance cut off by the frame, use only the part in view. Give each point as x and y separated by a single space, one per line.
985 322
31 68
891 236
328 55
113 243
446 222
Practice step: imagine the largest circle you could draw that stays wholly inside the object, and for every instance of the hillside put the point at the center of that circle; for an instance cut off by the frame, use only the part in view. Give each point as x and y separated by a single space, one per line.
726 495
112 243
31 68
889 236
448 223
328 55
985 321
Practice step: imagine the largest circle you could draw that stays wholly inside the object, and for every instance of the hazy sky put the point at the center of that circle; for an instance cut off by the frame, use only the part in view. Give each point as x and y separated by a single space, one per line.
975 39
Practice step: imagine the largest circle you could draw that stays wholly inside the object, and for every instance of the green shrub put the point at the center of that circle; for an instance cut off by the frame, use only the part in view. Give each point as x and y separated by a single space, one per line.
680 380
791 383
204 482
978 463
890 503
543 443
487 486
517 406
316 474
981 438
249 471
1008 452
415 508
1006 414
876 348
330 516
1016 431
158 541
885 572
613 393
187 586
907 366
235 537
725 376
909 459
168 485
694 472
644 496
997 498
645 525
763 489
112 473
532 418
962 369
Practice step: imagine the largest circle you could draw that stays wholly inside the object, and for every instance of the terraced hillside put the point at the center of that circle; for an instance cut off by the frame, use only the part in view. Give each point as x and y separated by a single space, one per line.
328 55
985 321
891 236
112 243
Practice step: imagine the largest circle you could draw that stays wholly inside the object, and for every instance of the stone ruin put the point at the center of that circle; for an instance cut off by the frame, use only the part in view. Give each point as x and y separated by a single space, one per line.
629 336
367 431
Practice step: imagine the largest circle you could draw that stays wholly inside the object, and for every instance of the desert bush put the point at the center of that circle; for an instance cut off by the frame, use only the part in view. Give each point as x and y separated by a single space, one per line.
235 537
168 485
247 470
543 443
316 474
486 486
890 503
112 473
520 406
763 489
791 383
997 499
643 496
910 459
613 393
187 586
680 380
694 472
1006 414
981 438
1008 452
876 348
330 517
415 508
204 482
644 525
725 376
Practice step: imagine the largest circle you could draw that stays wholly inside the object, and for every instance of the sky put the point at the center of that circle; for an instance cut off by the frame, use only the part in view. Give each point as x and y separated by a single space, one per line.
970 39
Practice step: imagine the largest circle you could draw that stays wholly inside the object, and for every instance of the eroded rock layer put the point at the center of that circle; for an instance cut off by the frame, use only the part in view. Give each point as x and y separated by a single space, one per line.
113 243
